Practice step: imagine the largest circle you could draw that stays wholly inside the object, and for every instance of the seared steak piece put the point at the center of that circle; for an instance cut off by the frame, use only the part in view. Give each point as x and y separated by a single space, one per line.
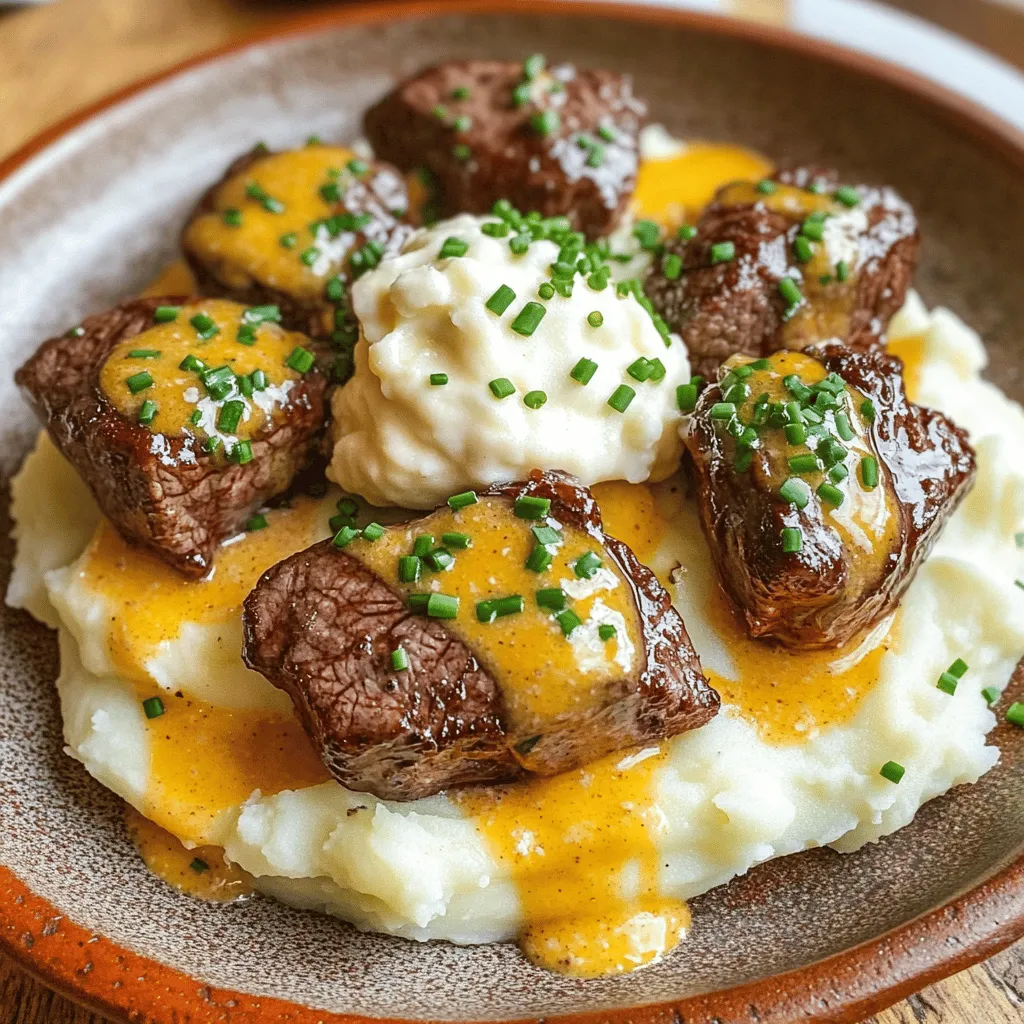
294 229
821 489
785 263
561 142
544 646
178 458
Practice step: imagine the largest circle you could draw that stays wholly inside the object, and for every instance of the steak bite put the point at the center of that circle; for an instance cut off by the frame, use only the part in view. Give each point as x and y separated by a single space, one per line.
294 229
821 489
787 262
558 141
501 635
182 416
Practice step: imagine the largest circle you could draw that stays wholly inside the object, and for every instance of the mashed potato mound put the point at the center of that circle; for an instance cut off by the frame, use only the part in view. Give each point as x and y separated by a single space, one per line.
730 798
398 440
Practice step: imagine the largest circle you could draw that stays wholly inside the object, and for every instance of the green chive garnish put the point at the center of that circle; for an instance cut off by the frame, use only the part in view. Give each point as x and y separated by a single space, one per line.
144 353
289 240
569 620
165 314
722 252
527 506
546 290
309 256
621 398
534 399
409 568
373 531
804 463
232 217
892 771
452 247
606 631
790 292
551 598
442 606
459 541
500 300
241 453
488 611
802 249
205 326
139 381
462 152
463 500
301 359
586 565
595 319
153 706
533 66
545 122
847 195
345 536
399 659
438 379
423 545
686 397
528 319
257 522
198 865
867 410
792 540
869 472
686 233
501 387
991 694
583 371
766 187
147 412
831 494
671 266
796 492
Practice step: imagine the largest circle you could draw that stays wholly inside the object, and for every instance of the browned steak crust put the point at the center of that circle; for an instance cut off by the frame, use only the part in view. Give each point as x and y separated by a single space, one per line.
321 626
378 194
735 306
162 492
819 596
571 152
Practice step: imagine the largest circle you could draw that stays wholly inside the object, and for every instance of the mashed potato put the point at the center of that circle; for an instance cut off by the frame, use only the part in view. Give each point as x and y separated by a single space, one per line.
398 440
730 795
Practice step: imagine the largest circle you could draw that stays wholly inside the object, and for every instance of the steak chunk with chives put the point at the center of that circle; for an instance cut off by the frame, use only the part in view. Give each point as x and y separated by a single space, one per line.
182 415
559 141
294 229
787 262
821 489
500 635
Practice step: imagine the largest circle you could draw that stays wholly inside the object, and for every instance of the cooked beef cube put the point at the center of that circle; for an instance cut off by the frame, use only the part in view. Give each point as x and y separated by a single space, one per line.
294 229
486 640
821 489
182 415
785 263
558 141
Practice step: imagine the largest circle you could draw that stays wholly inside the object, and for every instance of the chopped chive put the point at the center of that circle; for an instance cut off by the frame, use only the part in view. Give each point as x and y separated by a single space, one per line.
842 271
843 428
533 66
399 659
521 94
461 92
528 319
442 606
723 411
423 545
892 771
309 256
586 565
867 410
345 536
958 668
418 603
534 399
246 334
991 694
462 123
232 217
438 379
847 195
454 539
198 865
409 568
139 381
1015 714
373 531
212 444
831 494
153 707
546 290
439 559
440 112
607 132
802 249
518 244
147 412
545 122
606 631
686 397
357 167
766 186
838 473
552 598
262 314
804 463
686 233
813 229
596 318
144 353
796 433
869 472
647 233
583 372
501 387
463 500
546 535
569 620
165 314
241 453
289 240
792 540
722 252
500 300
488 611
229 416
528 506
347 507
300 360
452 247
947 683
257 522
671 266
205 326
621 398
796 492
790 292
195 417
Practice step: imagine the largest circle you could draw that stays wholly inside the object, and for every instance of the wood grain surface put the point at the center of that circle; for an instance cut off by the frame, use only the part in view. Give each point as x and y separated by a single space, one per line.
61 56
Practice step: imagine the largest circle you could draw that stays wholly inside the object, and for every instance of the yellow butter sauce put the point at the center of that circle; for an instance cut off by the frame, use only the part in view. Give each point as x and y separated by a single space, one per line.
202 872
910 348
673 190
175 279
203 759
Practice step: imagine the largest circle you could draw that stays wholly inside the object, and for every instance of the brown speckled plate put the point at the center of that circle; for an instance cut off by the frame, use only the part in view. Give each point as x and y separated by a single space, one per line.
90 212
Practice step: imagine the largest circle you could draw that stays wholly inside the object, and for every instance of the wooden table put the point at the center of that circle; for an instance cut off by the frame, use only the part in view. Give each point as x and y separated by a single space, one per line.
56 58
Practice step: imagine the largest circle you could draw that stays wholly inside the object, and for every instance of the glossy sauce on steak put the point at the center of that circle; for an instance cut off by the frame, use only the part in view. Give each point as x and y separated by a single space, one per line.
529 642
821 489
563 142
786 262
181 415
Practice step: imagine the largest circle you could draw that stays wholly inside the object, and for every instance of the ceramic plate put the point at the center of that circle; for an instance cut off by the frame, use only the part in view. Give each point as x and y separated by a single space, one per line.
91 212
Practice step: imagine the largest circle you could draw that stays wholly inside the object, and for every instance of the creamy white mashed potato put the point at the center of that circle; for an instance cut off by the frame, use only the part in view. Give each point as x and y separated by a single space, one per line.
729 796
400 441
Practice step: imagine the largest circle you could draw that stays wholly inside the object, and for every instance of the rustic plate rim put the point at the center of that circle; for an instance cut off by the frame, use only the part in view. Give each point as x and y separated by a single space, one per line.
841 989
